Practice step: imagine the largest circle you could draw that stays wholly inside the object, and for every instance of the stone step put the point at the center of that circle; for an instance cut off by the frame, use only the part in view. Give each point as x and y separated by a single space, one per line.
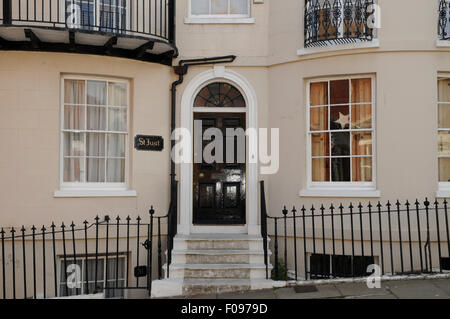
217 241
206 286
248 271
221 256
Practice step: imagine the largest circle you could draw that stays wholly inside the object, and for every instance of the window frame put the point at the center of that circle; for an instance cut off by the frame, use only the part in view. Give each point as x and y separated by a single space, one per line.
96 15
86 186
443 187
219 18
122 257
334 188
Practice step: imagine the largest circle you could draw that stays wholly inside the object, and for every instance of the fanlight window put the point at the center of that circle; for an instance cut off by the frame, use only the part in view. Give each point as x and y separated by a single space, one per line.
219 94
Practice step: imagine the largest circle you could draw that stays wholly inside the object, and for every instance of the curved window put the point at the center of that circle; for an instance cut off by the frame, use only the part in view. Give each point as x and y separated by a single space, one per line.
219 94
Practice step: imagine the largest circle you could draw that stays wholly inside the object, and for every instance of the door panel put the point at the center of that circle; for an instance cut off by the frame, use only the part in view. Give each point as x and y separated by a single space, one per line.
219 188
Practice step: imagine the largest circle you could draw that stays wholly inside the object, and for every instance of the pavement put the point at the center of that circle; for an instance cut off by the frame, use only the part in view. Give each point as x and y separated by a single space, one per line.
398 289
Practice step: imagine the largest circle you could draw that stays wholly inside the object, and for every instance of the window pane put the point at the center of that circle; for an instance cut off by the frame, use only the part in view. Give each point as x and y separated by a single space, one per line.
91 264
362 169
219 6
339 92
200 6
361 90
74 117
74 92
117 119
319 93
115 171
73 144
444 90
96 92
339 117
340 144
320 144
361 116
112 262
95 144
444 169
239 7
319 119
117 94
444 116
320 170
340 169
96 118
116 145
444 143
65 266
74 170
362 143
96 170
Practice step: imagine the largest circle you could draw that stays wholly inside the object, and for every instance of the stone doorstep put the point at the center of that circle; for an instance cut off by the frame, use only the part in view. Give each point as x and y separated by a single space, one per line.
243 271
202 286
222 256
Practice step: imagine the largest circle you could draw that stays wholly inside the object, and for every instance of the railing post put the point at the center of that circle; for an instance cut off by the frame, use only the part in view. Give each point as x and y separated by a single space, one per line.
172 20
7 12
150 252
285 212
264 227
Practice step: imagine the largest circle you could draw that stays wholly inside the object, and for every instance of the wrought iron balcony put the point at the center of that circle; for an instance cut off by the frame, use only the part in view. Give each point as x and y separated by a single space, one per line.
136 29
329 22
444 20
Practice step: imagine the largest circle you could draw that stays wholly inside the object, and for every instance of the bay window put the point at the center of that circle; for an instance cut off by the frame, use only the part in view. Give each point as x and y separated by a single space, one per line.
94 133
341 128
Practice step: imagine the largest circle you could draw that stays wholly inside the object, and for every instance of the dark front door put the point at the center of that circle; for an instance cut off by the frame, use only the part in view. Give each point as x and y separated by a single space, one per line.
219 188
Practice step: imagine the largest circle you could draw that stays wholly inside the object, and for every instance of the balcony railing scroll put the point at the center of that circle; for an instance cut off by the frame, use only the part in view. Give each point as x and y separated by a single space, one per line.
444 20
328 22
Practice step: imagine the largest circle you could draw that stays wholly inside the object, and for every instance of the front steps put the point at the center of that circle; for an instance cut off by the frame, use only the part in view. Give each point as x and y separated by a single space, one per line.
214 263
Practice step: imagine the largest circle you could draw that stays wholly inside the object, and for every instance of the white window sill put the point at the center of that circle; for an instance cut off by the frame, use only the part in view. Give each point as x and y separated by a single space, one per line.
443 193
370 193
375 43
219 20
443 43
68 193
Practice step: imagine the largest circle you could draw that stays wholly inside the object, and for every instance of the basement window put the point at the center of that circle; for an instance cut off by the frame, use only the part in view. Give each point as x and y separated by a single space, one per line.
326 266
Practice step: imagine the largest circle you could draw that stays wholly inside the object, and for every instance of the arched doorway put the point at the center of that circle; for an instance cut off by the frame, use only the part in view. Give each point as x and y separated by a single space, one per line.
219 198
219 172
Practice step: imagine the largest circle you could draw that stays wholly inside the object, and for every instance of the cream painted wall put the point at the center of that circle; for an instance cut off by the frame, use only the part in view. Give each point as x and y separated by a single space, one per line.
29 137
405 65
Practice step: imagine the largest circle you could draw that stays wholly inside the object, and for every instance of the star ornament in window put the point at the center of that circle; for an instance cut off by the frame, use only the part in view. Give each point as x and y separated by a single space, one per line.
343 120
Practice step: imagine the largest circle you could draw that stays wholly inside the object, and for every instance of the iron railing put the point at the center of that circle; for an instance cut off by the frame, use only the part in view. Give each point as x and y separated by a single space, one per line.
338 21
444 20
342 242
112 256
125 17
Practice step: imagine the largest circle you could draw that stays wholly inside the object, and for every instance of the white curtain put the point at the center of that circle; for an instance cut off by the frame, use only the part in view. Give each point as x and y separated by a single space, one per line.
96 156
200 7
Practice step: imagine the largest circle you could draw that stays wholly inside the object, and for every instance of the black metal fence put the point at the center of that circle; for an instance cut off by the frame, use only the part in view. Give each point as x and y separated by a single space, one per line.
131 17
107 256
444 20
338 21
343 241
